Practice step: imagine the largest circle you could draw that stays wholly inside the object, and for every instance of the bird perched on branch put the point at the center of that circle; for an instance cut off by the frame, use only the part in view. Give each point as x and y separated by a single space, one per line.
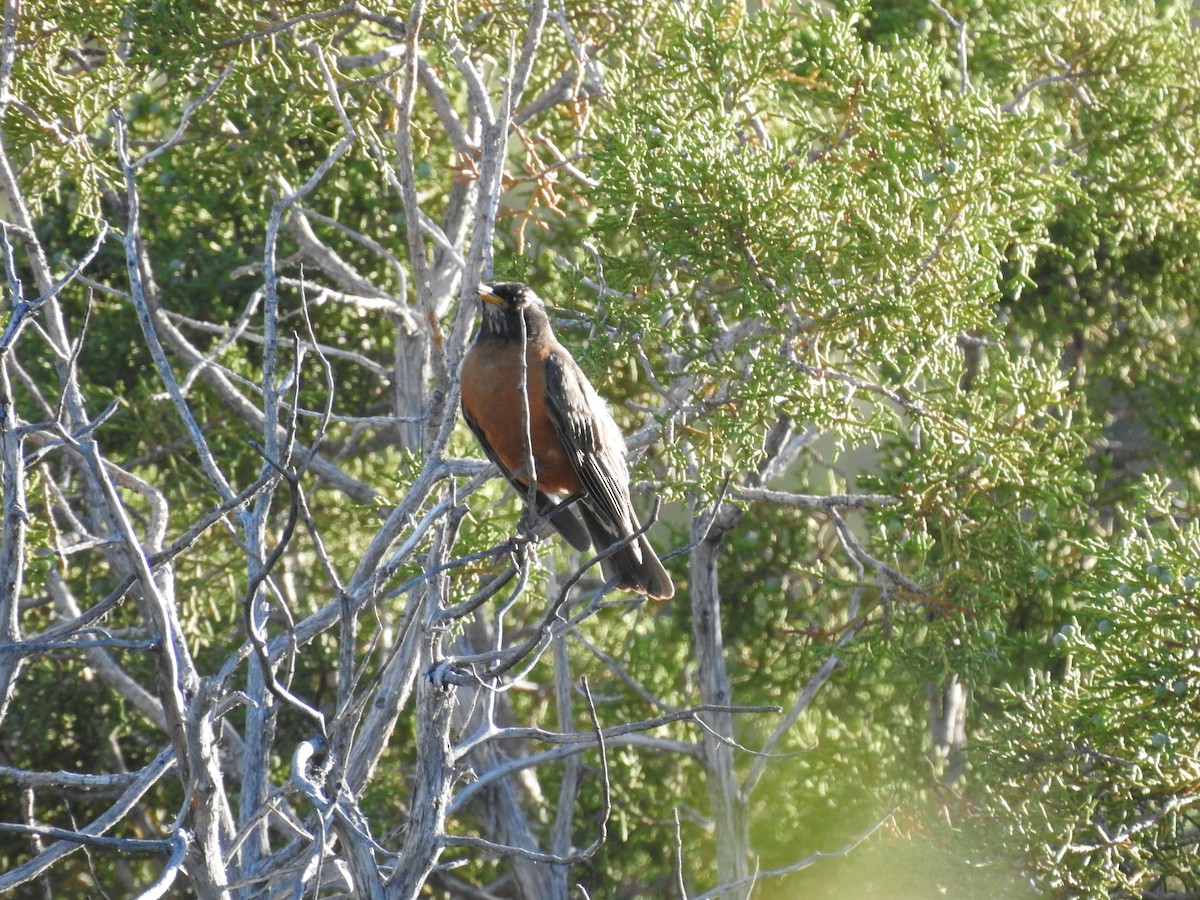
577 449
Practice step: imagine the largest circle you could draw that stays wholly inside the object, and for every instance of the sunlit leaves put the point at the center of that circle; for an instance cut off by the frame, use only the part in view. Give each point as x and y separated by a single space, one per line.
1100 764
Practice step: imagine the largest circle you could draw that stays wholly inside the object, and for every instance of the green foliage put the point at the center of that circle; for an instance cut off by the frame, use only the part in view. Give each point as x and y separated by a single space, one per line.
846 195
866 217
1097 767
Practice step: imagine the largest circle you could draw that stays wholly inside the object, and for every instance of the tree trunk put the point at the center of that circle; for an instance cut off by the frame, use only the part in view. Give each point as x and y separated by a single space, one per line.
728 805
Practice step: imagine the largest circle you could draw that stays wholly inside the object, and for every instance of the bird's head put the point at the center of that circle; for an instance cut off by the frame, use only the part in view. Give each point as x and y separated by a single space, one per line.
507 295
506 304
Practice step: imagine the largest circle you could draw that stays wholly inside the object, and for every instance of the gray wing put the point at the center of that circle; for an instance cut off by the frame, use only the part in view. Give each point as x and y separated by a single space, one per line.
591 438
596 448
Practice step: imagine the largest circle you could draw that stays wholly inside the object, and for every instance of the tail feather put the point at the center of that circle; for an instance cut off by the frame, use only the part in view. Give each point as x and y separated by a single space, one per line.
567 524
636 564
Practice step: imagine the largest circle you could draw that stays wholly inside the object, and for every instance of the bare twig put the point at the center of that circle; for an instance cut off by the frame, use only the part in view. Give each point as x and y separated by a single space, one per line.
188 109
180 844
964 79
750 880
288 24
1077 78
856 549
679 856
21 311
74 780
816 501
134 262
125 845
115 814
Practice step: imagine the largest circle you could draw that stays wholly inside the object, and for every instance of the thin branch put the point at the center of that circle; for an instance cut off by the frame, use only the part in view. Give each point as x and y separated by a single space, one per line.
655 745
251 620
1122 836
854 381
819 502
175 670
1070 76
797 866
568 793
134 261
964 79
180 843
80 781
362 240
610 663
440 101
559 859
125 845
188 109
240 333
343 274
8 55
156 561
406 165
683 715
803 702
21 311
162 764
287 24
13 531
107 668
856 549
679 856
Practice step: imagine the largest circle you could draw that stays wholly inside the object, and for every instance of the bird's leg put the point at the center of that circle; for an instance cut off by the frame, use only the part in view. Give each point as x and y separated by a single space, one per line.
528 526
529 530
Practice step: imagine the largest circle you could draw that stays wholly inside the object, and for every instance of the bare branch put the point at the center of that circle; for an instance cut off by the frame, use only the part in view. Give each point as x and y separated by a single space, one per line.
1069 75
325 258
235 332
189 108
656 745
589 851
175 671
180 845
964 79
728 803
184 542
21 311
803 702
135 263
436 92
406 166
288 24
857 550
692 713
821 502
115 814
106 667
12 536
750 880
75 780
125 845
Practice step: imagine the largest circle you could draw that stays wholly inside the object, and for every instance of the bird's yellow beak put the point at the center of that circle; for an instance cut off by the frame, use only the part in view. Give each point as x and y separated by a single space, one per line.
488 295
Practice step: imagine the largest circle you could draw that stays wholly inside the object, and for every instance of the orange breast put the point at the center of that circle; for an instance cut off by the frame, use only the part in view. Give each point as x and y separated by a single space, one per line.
491 377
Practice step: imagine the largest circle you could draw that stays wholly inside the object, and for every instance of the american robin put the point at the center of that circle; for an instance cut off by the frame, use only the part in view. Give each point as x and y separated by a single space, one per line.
577 448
